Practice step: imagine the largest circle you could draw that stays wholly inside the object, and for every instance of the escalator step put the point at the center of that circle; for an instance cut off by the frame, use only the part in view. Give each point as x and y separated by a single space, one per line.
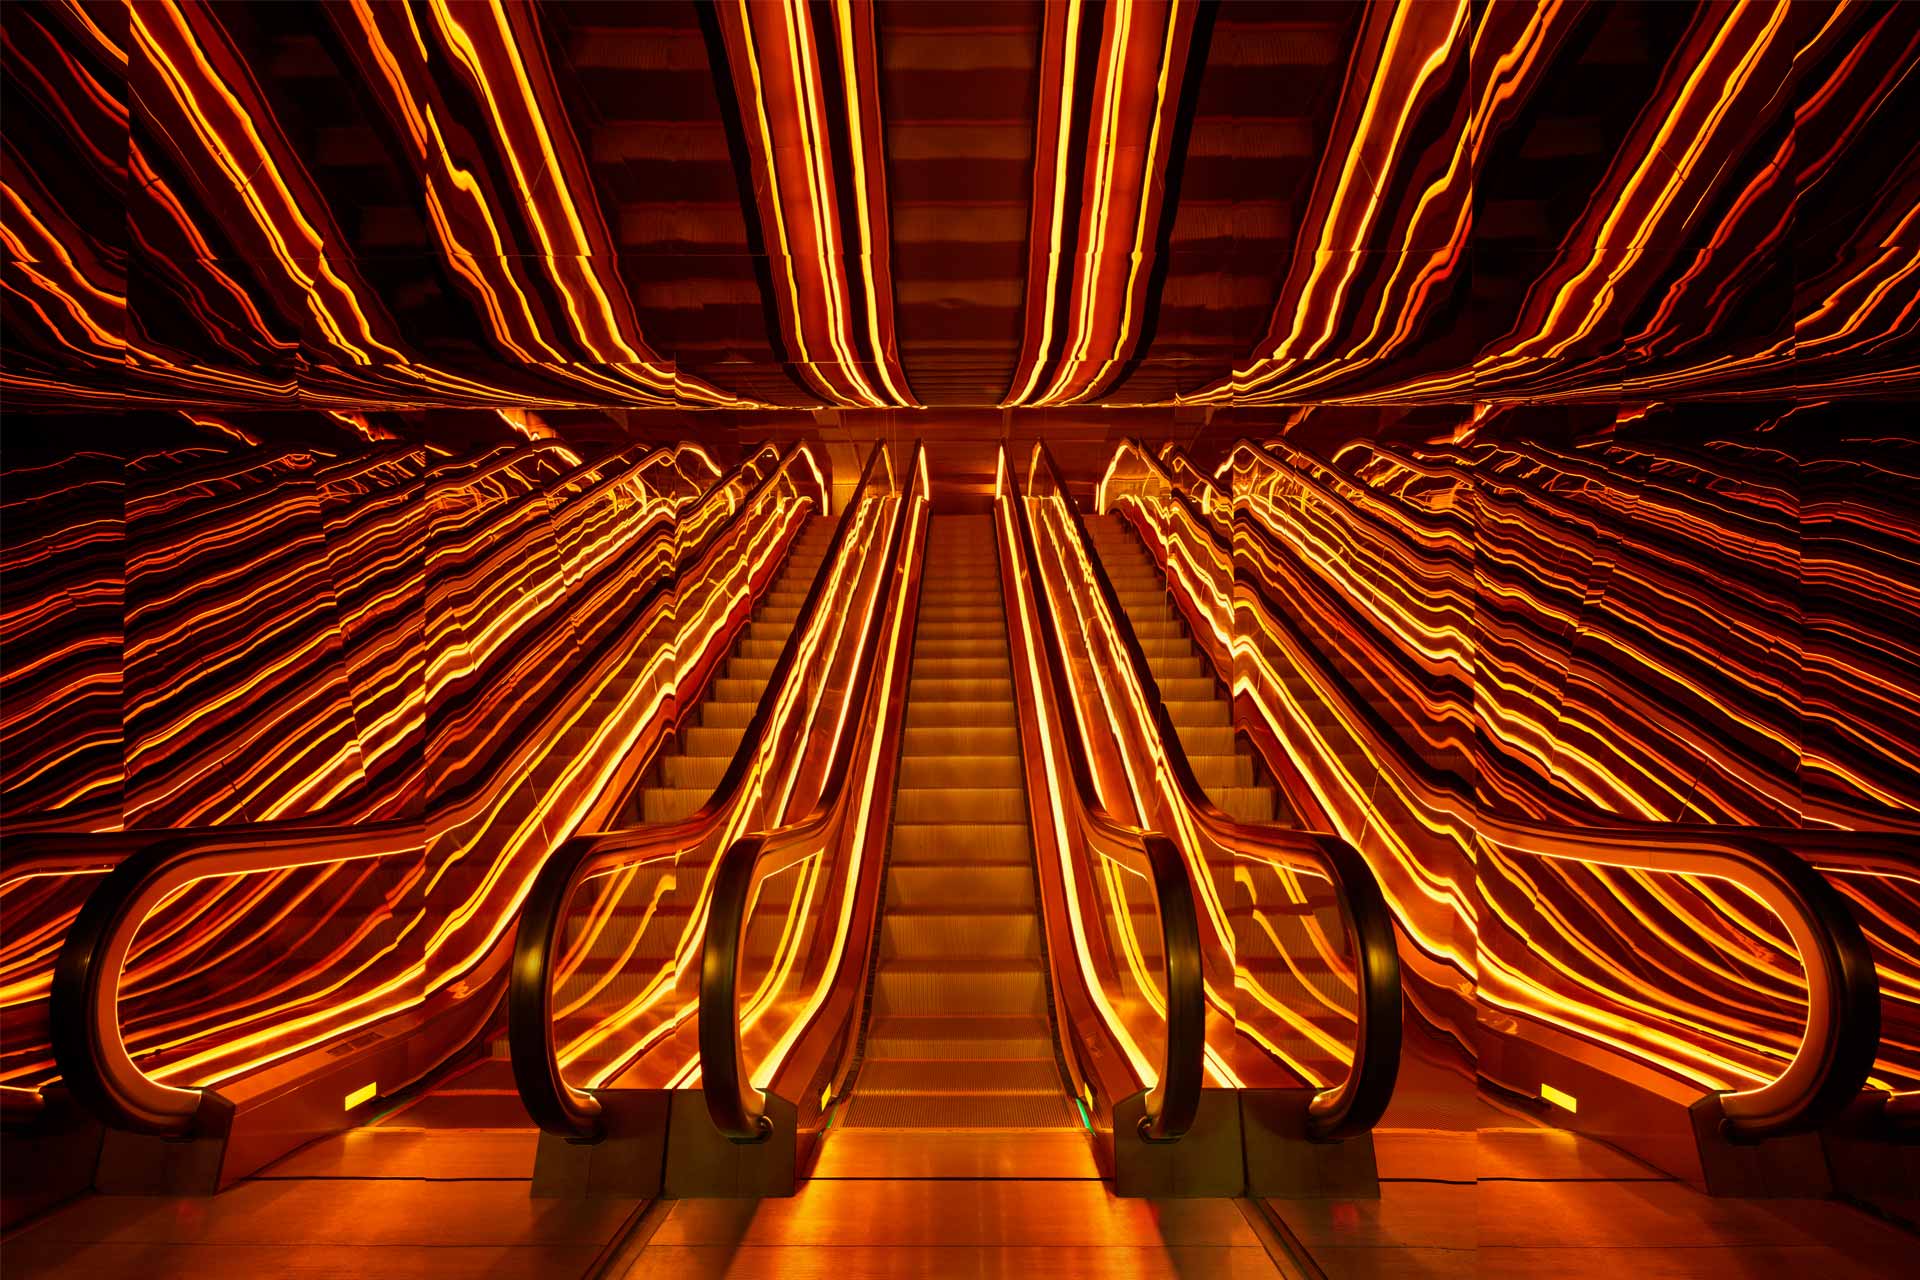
941 772
668 804
729 689
908 934
1248 804
693 773
982 740
944 645
961 1111
981 1039
1188 690
1207 740
993 713
925 988
1186 666
962 804
977 845
728 715
1200 713
1010 1076
1213 772
964 690
716 740
967 885
989 667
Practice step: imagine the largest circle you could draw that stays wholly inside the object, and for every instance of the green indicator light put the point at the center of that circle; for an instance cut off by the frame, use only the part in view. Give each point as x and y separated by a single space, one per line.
1081 1107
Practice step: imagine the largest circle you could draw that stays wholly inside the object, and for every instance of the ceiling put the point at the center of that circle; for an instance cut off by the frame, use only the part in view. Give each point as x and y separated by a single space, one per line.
994 209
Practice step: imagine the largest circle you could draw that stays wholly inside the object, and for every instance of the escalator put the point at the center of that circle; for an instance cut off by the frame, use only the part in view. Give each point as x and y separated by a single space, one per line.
1039 998
738 893
451 1160
467 1127
1280 949
591 691
957 1035
1338 726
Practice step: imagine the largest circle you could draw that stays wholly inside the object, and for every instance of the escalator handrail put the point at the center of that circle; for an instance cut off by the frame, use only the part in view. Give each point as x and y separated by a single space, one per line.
1174 1099
556 1106
84 999
84 1004
1829 1068
1837 1050
736 1107
1357 1103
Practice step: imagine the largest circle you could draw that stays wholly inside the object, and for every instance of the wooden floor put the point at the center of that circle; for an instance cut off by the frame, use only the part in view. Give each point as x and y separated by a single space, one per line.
1472 1188
862 1229
439 1189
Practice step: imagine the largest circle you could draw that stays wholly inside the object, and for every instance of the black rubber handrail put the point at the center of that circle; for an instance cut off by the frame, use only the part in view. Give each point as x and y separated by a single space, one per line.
84 1006
1357 1103
83 1003
1830 1067
737 1108
1174 1100
554 1105
1864 854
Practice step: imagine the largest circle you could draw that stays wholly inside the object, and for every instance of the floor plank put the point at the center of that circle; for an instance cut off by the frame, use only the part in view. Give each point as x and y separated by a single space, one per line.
1408 1215
1399 1264
1554 1155
1566 1215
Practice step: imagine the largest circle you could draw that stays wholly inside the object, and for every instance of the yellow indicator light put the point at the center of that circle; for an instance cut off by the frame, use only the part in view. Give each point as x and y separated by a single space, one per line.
826 1095
1565 1101
365 1093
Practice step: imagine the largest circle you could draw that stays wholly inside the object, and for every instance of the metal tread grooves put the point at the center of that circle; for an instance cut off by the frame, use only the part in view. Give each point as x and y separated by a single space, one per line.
958 1034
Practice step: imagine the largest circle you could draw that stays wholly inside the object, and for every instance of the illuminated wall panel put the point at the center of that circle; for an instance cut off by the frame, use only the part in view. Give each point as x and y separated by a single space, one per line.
1658 620
235 685
63 577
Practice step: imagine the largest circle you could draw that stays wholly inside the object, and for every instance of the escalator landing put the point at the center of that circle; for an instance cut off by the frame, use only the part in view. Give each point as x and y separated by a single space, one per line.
1029 1154
846 1228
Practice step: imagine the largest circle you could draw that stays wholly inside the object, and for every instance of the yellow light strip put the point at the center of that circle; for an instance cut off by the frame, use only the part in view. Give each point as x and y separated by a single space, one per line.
1059 203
